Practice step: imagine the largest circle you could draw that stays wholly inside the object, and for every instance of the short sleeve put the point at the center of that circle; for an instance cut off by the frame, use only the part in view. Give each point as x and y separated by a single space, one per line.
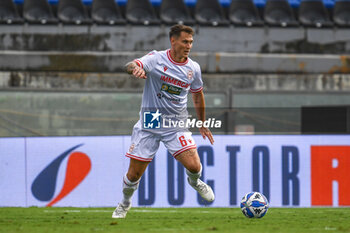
148 61
197 84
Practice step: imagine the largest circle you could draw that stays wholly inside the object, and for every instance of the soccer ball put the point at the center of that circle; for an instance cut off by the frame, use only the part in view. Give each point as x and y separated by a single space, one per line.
254 205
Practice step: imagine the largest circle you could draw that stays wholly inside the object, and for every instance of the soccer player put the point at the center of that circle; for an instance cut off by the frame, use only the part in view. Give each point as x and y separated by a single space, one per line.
170 75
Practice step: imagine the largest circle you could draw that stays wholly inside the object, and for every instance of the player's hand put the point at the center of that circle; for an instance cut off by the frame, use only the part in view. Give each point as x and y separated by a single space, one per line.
138 72
206 133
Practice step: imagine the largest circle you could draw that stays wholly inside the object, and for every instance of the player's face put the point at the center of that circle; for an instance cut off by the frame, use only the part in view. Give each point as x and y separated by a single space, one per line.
182 45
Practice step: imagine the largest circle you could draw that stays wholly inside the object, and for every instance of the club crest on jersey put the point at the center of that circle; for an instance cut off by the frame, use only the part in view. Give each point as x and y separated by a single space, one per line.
165 68
190 74
132 146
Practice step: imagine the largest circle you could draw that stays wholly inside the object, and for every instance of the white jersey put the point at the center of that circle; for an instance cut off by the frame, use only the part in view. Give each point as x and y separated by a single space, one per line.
168 83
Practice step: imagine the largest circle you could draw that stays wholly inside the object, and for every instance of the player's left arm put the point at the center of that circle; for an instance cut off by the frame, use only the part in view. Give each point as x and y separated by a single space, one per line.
199 104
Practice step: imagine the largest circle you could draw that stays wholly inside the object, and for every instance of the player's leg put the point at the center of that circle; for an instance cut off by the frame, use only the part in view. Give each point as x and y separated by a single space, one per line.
132 178
182 146
130 183
190 160
144 146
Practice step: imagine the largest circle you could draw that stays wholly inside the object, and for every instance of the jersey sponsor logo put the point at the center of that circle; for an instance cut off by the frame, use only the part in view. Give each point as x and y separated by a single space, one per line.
151 119
171 89
174 81
78 167
173 100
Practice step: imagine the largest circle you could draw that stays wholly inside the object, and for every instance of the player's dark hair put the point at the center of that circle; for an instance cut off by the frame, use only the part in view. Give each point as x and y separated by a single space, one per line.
178 28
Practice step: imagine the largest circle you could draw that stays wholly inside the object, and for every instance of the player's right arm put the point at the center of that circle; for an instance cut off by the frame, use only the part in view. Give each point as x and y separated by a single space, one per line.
134 69
140 66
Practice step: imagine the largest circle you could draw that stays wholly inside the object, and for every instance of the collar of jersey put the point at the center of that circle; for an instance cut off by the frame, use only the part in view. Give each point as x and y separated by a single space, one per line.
172 60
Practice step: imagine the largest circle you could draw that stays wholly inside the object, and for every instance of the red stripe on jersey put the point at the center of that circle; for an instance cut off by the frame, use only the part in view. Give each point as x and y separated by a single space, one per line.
196 90
172 60
138 158
184 149
139 63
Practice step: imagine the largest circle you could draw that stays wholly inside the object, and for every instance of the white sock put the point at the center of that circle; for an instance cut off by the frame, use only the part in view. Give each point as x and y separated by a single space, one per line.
193 177
128 190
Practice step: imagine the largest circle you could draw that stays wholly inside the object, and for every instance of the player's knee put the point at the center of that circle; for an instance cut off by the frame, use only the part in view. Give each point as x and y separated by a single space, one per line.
134 176
194 168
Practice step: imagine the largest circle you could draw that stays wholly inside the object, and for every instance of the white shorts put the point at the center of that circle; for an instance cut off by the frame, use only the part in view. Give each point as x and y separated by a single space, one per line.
144 144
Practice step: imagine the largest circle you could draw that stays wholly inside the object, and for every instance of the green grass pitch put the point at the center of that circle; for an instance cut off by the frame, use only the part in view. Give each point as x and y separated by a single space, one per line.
186 220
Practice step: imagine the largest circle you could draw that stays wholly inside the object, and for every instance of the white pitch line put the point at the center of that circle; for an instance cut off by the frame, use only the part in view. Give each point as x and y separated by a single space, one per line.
62 211
178 229
177 211
330 228
99 211
77 211
137 211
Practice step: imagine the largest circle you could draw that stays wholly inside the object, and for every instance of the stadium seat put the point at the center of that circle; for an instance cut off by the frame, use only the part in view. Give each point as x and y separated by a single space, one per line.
106 12
156 3
8 12
121 2
175 11
341 13
312 13
294 3
225 3
53 2
72 12
141 12
87 2
210 12
279 13
259 3
244 13
38 11
328 3
190 3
